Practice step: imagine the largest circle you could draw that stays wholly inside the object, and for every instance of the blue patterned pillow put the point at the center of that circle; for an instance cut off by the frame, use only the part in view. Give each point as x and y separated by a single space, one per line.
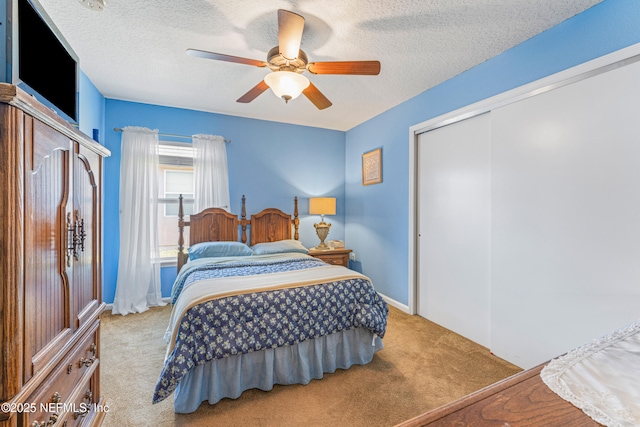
281 246
218 249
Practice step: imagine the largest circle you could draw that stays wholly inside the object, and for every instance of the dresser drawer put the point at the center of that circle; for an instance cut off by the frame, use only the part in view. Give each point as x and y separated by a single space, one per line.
54 399
84 405
333 257
336 259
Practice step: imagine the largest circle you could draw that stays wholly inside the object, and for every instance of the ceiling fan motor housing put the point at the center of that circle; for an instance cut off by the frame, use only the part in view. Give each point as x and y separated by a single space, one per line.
286 72
277 62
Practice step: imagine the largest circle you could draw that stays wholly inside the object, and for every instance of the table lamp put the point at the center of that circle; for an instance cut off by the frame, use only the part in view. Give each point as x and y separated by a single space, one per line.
322 206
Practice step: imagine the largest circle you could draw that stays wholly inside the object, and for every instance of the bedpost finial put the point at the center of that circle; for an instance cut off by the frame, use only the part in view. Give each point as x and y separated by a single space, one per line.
243 221
181 224
296 221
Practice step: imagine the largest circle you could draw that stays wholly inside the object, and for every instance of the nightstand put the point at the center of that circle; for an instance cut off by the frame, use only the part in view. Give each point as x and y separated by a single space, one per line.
333 256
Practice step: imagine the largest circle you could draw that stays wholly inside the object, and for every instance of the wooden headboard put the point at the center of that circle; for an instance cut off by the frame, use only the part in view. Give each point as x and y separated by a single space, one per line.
218 225
271 225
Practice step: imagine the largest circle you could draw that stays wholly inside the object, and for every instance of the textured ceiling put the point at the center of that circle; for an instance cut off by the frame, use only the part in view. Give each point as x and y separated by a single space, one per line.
135 50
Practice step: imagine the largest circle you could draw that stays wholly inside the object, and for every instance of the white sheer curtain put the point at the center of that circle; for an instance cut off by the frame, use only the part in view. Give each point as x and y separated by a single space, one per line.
138 285
211 175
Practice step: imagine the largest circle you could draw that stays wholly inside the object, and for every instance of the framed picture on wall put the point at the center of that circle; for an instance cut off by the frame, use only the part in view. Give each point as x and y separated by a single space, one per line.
372 167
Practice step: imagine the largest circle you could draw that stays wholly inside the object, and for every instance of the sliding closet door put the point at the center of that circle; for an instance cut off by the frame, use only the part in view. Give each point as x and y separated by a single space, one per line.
566 216
454 227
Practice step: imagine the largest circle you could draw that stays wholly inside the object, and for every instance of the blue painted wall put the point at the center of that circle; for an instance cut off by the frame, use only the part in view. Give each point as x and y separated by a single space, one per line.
377 215
91 108
269 162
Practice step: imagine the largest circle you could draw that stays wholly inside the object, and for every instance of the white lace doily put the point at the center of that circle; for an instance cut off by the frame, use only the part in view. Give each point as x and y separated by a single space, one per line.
602 377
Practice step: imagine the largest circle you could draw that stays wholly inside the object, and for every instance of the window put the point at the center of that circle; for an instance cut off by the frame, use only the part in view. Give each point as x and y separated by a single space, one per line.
177 180
175 177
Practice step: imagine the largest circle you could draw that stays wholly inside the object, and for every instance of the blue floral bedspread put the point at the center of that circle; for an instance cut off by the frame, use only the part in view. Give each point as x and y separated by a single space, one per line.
205 269
251 322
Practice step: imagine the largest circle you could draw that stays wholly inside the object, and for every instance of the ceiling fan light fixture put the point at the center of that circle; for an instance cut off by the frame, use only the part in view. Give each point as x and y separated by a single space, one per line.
286 84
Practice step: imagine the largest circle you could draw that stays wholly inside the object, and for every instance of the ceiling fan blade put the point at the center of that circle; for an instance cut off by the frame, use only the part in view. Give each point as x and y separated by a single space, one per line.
316 97
290 27
253 93
222 57
368 68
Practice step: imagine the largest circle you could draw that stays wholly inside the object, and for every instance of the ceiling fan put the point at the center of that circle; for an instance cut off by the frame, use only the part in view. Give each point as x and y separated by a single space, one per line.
287 63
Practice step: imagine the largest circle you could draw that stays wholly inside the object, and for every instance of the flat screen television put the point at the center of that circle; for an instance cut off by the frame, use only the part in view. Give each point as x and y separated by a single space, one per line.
43 63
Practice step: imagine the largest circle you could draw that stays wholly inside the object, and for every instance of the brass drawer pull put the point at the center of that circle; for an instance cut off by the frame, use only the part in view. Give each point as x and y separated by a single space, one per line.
52 420
85 408
81 413
56 398
86 362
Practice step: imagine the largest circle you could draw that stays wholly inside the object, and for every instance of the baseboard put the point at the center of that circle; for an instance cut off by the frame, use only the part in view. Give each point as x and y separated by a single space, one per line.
109 306
396 304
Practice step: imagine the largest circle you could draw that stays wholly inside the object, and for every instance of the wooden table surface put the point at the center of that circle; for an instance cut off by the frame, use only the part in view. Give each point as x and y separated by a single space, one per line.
520 400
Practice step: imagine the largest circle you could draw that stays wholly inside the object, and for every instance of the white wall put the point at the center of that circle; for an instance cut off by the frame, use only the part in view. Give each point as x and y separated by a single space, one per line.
565 220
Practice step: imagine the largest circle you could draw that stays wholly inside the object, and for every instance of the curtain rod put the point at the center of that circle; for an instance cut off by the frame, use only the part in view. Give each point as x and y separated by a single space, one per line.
171 135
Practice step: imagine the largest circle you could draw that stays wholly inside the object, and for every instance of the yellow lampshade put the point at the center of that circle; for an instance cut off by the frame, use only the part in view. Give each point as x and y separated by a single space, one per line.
322 206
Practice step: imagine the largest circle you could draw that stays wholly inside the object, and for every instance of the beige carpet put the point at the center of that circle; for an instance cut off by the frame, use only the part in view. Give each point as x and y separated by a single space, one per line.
422 366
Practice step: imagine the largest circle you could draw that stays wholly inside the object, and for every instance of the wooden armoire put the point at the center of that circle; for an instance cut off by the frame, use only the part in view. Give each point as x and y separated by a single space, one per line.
50 267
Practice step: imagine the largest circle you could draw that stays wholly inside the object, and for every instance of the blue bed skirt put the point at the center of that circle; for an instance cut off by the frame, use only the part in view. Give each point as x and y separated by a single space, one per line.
294 364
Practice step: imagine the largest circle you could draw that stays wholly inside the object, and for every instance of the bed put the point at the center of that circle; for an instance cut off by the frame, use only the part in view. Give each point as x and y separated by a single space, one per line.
252 316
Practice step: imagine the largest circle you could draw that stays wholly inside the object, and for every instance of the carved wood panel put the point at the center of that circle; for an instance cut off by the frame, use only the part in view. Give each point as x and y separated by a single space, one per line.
270 225
213 225
85 210
46 279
